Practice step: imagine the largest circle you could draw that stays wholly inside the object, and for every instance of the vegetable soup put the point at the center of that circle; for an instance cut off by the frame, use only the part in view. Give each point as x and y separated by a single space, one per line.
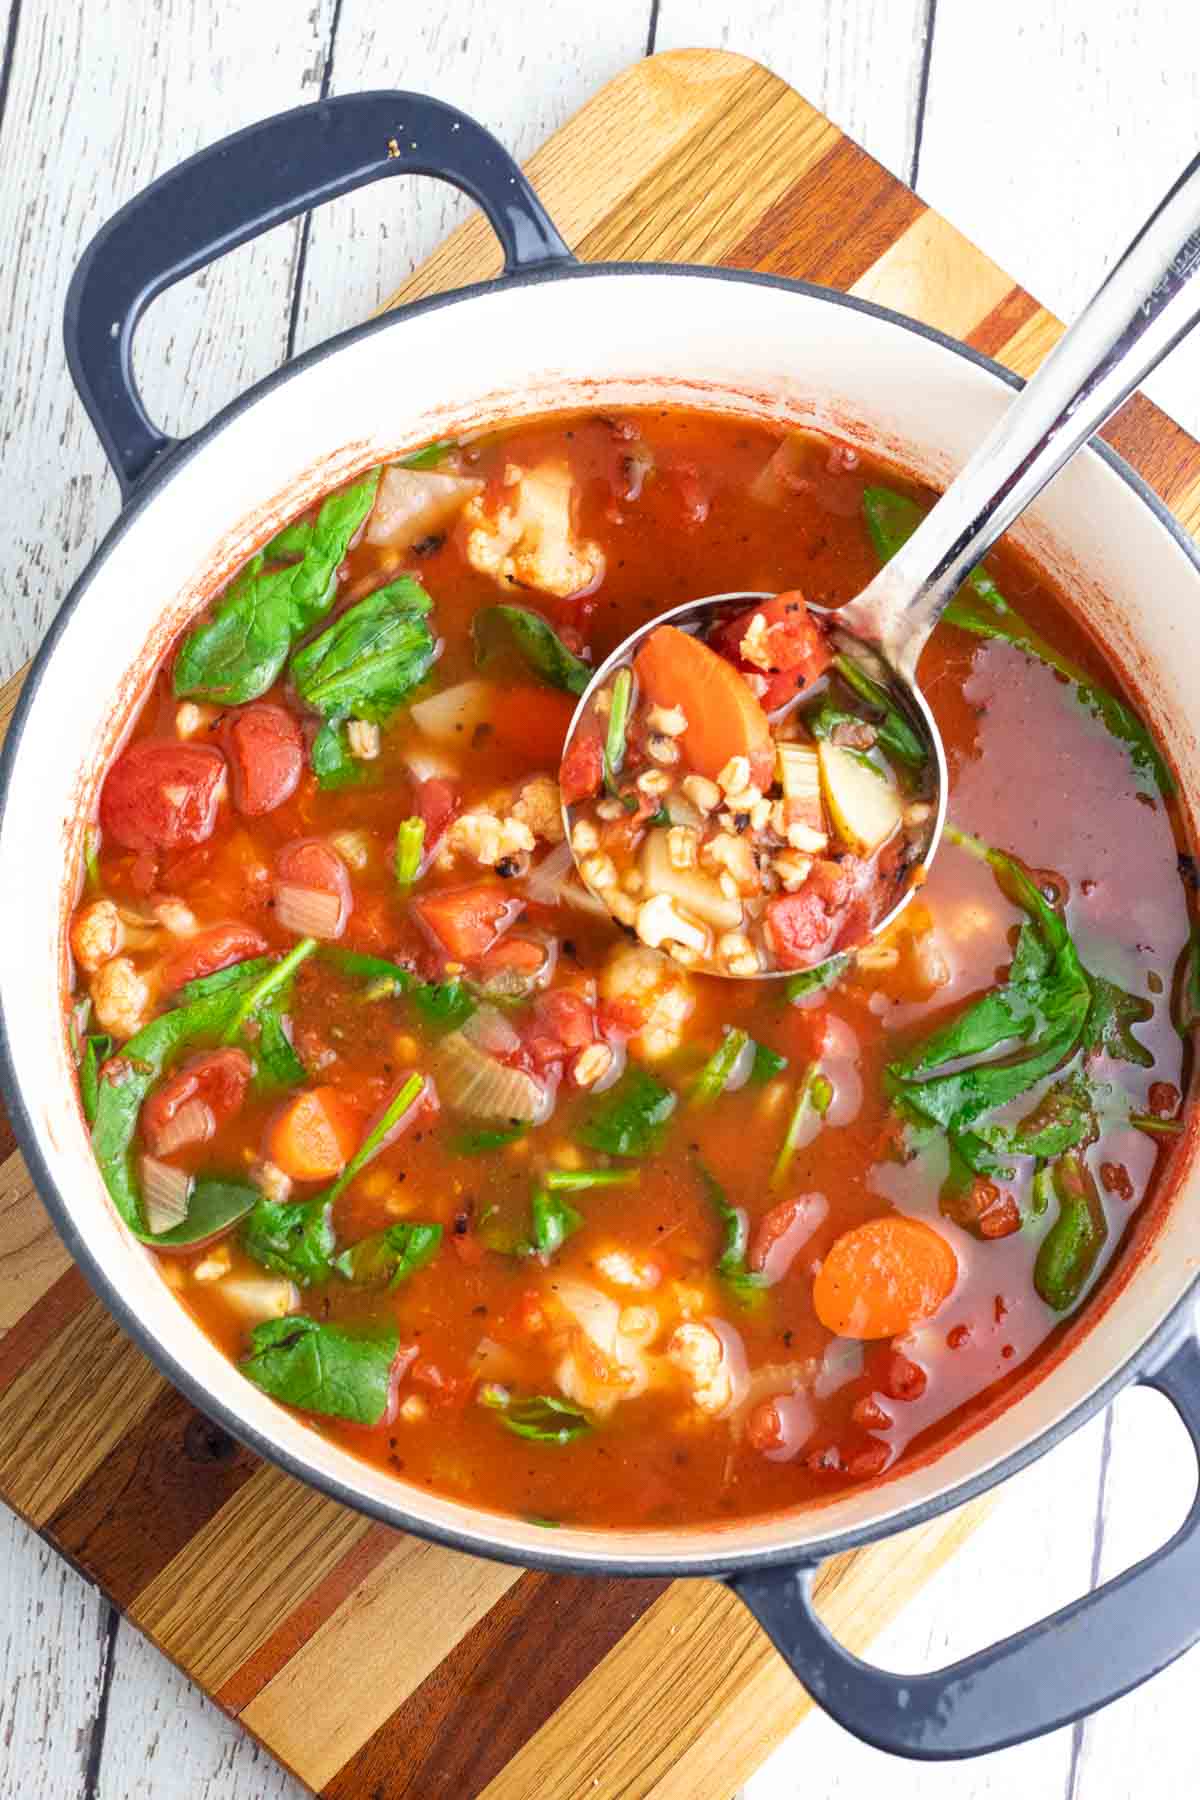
472 1166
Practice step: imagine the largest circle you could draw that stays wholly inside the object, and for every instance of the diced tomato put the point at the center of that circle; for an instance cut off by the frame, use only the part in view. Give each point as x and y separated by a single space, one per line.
532 721
447 1390
218 1080
780 1235
436 803
802 932
582 768
563 1022
266 756
217 948
314 864
620 1019
160 795
901 1378
790 650
467 921
764 1427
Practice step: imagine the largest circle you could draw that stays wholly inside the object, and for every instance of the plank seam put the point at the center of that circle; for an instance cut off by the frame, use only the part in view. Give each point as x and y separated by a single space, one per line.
922 100
108 1660
10 56
652 30
306 222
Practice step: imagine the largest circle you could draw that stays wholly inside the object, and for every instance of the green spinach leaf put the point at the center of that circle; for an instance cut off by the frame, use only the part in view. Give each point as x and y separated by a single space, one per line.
371 657
214 1205
390 1257
341 1371
720 1066
766 1065
1070 1249
508 630
441 1005
96 1051
543 1418
239 652
631 1118
293 1237
744 1283
814 981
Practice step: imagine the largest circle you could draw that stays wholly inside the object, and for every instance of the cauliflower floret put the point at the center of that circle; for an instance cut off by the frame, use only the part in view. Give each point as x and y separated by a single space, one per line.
538 805
529 541
175 917
662 991
97 935
487 839
699 1354
120 997
627 1271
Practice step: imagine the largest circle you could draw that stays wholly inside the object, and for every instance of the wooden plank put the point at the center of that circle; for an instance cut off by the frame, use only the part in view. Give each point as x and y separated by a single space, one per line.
127 102
362 248
32 1255
857 61
54 1650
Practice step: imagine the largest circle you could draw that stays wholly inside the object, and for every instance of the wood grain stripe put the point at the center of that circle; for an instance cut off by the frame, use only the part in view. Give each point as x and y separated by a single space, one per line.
243 1574
499 1670
992 333
174 1471
32 1255
793 237
317 1606
1143 434
927 274
66 1410
378 1647
37 1328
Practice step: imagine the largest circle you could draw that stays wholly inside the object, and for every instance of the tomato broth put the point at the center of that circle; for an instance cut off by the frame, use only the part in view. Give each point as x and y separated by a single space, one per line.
494 1192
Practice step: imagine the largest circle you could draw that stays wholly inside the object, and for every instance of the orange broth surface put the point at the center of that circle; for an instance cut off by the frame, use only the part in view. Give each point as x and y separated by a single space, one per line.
804 1412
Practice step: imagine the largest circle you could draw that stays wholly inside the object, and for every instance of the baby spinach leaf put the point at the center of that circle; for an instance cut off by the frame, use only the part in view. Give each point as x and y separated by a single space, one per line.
295 1238
1109 1028
554 1220
273 980
1070 1249
405 1096
1063 1118
895 733
127 1078
487 1138
371 657
766 1065
214 1205
430 456
1155 1127
277 1064
614 736
410 847
543 1418
630 1119
240 651
981 608
497 630
342 1371
236 975
96 1051
441 1005
813 981
1186 1008
391 1256
814 1093
332 763
744 1282
720 1066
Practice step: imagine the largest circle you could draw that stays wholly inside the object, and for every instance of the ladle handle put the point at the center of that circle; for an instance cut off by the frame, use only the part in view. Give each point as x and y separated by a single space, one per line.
1140 312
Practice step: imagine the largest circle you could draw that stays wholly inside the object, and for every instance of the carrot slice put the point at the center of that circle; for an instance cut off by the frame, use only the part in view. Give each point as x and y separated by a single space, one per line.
314 1136
724 718
884 1277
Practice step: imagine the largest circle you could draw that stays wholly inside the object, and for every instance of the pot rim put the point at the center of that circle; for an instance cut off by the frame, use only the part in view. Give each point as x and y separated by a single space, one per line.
1150 1350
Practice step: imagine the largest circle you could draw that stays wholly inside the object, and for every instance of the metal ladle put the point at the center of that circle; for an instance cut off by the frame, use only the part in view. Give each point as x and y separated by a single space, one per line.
1136 317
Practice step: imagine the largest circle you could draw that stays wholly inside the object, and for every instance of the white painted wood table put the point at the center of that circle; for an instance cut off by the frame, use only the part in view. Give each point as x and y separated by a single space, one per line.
1044 134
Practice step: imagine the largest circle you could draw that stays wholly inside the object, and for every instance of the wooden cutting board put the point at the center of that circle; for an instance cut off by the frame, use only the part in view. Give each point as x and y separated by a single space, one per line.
370 1663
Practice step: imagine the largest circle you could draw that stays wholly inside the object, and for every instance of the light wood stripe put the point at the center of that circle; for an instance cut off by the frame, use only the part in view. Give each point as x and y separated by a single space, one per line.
68 1409
360 1666
931 274
698 1660
243 1573
1030 344
32 1255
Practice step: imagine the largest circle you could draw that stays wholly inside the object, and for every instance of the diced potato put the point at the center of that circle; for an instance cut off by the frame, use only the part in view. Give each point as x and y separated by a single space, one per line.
257 1297
800 777
695 891
863 804
451 716
415 503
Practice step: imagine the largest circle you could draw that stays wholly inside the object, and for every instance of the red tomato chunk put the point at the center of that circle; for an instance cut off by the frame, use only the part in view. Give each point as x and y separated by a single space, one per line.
162 796
266 757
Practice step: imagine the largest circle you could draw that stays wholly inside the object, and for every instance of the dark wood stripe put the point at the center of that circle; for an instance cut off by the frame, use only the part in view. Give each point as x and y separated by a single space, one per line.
499 1685
8 1137
273 1655
163 1483
1003 322
38 1328
1161 451
794 238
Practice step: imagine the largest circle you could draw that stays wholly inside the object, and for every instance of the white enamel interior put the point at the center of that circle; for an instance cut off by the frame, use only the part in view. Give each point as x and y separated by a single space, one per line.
606 340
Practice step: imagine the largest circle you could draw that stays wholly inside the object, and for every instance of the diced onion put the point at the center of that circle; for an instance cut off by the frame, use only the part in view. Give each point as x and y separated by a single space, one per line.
451 716
192 1124
475 1083
491 1032
165 1194
309 912
544 881
257 1297
842 1362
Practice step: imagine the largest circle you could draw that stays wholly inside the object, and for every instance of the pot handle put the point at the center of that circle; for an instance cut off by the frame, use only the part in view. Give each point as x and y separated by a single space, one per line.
241 186
1060 1669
